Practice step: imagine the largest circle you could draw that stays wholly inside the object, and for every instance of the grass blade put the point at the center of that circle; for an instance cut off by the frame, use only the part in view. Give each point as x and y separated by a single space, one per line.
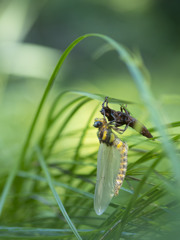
56 183
76 155
101 97
19 232
66 121
7 187
46 92
56 196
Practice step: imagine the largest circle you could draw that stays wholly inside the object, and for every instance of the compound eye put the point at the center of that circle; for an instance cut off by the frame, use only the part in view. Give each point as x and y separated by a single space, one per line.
97 124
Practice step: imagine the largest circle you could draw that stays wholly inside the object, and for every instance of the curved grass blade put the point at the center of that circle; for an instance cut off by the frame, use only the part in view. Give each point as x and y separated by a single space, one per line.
101 97
54 104
50 121
53 119
56 196
49 115
66 121
46 92
76 155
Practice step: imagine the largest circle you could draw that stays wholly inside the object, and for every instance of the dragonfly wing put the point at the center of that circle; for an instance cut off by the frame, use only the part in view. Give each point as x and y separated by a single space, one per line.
107 170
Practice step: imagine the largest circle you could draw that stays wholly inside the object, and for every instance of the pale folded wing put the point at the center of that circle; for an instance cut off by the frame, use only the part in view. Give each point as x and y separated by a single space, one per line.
108 165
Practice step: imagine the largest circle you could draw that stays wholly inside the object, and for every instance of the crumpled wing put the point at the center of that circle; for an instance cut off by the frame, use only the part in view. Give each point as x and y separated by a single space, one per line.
108 165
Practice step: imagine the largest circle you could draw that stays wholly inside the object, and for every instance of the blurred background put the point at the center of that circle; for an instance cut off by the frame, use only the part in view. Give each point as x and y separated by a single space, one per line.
34 34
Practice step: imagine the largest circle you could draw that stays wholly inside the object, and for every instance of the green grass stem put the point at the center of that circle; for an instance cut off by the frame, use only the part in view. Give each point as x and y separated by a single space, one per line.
56 196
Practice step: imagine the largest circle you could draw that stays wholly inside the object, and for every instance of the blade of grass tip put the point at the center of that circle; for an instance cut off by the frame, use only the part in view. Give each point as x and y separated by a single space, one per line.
168 125
56 196
173 124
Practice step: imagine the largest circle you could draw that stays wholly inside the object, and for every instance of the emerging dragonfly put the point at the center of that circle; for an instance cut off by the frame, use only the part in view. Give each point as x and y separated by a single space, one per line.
119 118
111 165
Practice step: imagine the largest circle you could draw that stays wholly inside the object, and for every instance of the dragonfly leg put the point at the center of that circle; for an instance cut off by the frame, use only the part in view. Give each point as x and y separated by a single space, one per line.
102 110
112 114
121 131
118 130
105 101
127 125
113 122
122 108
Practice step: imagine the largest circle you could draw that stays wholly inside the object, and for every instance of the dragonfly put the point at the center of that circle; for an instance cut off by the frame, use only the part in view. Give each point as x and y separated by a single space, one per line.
123 117
111 165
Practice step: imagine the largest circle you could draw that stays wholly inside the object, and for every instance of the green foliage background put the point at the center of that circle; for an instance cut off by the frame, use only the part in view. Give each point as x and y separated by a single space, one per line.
49 100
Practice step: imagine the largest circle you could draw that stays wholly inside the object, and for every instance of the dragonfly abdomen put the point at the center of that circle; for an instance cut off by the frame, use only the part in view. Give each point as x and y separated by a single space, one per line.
123 148
139 127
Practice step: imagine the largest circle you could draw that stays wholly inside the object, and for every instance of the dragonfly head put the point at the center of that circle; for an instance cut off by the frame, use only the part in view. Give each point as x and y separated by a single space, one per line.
99 122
